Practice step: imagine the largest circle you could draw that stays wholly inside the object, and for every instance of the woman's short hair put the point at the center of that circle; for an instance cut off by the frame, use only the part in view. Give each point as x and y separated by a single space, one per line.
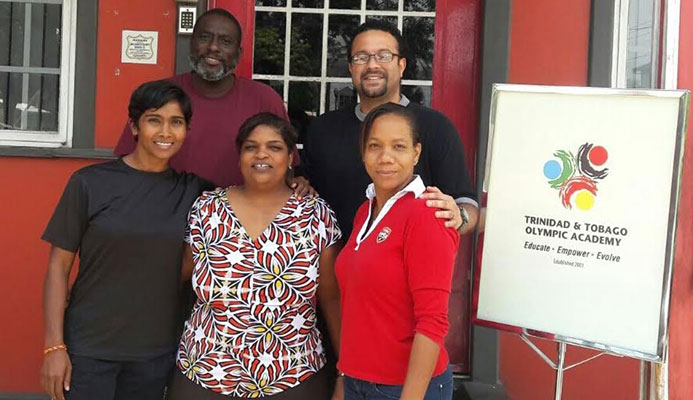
156 94
388 109
284 128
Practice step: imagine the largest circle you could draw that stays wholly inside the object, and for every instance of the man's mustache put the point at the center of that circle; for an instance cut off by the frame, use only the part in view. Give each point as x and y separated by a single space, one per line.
368 73
214 57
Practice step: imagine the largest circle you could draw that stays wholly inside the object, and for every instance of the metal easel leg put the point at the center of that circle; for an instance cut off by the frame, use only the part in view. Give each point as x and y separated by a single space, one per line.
559 370
559 366
644 380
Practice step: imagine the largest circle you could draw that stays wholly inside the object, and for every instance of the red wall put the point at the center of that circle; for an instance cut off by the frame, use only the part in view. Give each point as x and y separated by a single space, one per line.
549 42
29 191
681 320
549 45
116 81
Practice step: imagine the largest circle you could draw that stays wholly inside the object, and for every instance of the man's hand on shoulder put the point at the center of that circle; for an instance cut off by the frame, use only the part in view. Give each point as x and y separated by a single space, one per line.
302 187
451 211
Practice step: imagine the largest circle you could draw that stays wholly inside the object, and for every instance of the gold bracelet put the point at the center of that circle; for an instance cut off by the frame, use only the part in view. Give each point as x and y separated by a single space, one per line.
54 348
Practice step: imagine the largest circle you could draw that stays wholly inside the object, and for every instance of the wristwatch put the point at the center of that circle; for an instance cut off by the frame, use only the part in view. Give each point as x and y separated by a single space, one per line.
465 217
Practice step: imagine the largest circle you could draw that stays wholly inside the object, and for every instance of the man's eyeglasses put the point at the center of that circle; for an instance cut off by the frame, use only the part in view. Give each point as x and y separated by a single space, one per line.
381 57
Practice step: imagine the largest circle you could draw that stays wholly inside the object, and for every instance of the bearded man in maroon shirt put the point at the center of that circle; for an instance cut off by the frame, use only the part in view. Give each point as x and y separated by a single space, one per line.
222 101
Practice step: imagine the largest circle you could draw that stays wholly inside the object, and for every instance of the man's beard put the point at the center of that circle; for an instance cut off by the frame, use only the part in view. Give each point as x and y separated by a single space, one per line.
373 92
213 76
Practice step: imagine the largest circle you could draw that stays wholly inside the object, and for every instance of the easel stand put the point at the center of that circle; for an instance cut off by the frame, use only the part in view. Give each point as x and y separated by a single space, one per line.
559 365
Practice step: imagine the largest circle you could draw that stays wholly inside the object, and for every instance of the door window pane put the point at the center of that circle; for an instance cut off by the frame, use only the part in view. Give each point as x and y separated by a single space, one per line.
306 44
341 31
278 86
345 4
270 28
305 97
418 94
307 3
339 95
420 5
389 19
418 34
381 5
270 3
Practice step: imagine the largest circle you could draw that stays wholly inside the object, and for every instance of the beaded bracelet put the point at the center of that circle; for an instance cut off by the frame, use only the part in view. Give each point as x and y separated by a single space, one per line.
54 348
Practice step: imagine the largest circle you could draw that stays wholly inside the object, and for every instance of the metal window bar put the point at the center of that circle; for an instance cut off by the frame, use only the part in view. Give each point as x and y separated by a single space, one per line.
43 62
656 34
33 1
9 56
286 78
30 70
619 44
25 62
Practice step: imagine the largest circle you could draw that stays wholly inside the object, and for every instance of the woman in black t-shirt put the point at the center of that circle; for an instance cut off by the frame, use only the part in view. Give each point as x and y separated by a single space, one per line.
114 333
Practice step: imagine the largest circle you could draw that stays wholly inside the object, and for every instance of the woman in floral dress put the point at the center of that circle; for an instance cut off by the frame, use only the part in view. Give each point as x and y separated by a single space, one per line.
257 253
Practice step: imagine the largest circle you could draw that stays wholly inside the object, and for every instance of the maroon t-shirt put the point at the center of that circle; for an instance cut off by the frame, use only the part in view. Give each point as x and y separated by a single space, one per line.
209 149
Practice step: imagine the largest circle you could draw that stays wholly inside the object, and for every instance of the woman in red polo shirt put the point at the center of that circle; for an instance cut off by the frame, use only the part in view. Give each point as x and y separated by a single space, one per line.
395 274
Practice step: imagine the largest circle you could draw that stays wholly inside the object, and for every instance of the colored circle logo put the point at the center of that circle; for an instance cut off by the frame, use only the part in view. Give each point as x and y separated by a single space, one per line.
575 175
584 200
598 155
552 169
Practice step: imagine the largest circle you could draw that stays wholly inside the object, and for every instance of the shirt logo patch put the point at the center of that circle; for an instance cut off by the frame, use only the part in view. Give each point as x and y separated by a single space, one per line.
383 234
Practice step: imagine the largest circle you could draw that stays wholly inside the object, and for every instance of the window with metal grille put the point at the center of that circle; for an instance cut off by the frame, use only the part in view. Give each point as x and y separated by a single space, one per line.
301 48
35 72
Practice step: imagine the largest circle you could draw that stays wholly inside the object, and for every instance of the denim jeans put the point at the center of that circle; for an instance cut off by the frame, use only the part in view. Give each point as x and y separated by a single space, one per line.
440 388
94 379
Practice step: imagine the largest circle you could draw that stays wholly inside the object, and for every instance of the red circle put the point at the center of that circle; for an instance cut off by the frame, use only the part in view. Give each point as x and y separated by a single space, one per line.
598 155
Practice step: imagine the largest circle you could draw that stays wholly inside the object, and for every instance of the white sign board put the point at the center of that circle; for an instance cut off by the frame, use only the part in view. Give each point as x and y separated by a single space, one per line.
139 47
582 190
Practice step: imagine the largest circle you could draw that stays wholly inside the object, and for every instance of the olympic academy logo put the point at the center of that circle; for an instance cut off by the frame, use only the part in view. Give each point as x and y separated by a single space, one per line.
576 178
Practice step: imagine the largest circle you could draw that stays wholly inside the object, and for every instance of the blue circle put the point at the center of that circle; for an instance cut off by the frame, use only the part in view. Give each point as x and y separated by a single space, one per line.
552 169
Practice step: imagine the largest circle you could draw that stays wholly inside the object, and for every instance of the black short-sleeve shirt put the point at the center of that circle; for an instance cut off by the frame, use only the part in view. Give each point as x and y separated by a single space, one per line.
128 227
331 159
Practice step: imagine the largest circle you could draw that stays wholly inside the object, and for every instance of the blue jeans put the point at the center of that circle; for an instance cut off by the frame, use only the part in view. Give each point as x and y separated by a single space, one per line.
440 388
94 379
